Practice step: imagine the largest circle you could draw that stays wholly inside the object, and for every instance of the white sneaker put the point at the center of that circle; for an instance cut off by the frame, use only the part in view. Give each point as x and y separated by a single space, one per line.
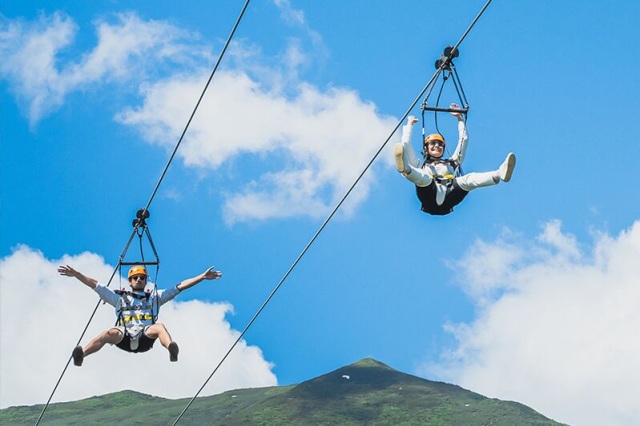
506 168
401 163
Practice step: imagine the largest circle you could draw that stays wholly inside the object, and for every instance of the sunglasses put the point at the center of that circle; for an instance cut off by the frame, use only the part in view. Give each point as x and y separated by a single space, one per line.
436 143
138 278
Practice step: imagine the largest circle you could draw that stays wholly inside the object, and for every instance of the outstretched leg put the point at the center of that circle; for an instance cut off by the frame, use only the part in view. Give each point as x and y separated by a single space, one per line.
402 154
159 331
112 336
472 181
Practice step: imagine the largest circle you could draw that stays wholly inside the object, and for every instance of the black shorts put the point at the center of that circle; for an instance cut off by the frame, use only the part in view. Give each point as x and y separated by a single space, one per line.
144 344
427 197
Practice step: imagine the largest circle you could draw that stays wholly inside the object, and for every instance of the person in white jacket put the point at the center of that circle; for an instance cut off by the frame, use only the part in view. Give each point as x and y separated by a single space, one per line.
438 186
136 329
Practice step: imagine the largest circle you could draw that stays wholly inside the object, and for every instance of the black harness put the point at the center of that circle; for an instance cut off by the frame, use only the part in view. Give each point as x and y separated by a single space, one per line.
454 194
137 342
128 307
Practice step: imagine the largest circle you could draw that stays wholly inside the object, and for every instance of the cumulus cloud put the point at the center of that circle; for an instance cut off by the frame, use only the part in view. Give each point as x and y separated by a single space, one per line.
288 142
42 315
33 56
313 145
556 326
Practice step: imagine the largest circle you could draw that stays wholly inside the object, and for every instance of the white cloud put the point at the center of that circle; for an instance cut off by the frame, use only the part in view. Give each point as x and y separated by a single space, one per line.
305 145
313 144
31 56
28 60
295 18
560 332
290 15
42 315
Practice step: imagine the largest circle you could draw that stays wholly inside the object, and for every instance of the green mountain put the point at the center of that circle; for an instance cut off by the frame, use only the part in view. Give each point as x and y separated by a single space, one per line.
365 393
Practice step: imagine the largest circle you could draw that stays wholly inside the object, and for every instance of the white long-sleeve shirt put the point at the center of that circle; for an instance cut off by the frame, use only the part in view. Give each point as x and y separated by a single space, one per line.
437 168
431 170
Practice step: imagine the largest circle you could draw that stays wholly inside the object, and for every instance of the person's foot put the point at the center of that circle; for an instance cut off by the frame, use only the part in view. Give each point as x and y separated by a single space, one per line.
173 351
77 355
506 169
401 163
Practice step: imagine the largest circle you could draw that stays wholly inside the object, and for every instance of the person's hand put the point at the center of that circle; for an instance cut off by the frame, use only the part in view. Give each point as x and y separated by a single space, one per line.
456 114
67 271
210 274
411 120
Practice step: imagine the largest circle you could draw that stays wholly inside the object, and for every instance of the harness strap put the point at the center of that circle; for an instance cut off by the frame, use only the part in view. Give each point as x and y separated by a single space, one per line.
453 163
438 178
132 294
123 319
140 317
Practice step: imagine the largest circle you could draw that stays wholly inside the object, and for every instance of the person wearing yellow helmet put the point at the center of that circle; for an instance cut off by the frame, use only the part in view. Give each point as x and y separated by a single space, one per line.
136 329
439 185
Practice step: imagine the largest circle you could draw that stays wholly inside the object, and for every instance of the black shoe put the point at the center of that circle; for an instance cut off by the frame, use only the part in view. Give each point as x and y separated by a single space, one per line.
77 355
173 351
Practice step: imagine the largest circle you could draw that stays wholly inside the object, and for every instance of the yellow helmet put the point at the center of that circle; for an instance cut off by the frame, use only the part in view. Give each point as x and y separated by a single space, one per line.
137 270
434 137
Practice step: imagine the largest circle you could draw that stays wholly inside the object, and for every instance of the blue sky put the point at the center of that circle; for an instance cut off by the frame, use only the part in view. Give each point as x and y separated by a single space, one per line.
528 292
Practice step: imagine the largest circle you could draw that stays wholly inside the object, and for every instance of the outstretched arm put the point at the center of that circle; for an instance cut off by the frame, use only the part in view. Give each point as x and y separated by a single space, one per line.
406 141
68 271
463 139
209 274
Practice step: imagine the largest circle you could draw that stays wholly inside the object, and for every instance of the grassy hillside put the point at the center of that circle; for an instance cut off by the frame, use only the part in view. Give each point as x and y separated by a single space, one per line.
367 392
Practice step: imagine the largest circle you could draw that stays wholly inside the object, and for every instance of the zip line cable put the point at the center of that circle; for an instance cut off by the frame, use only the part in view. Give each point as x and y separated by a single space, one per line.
333 212
215 68
144 212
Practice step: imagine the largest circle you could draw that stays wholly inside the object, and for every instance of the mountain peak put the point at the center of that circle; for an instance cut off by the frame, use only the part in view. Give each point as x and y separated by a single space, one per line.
370 362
